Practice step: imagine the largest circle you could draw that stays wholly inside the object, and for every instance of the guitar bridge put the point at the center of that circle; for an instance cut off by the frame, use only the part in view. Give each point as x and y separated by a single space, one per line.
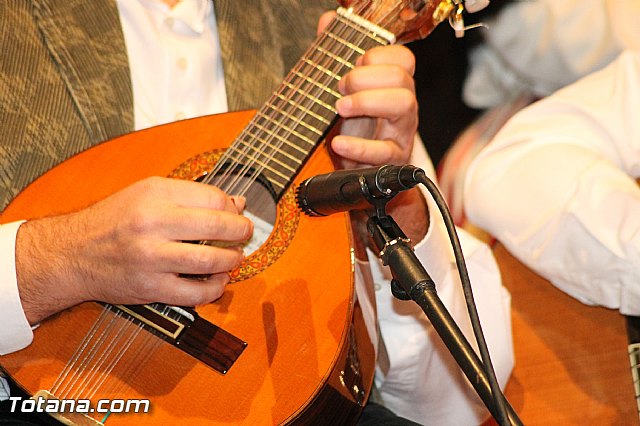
187 331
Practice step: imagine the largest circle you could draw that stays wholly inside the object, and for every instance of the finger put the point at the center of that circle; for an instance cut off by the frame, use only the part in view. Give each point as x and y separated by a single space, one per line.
193 258
366 151
325 19
175 290
188 193
397 55
182 224
239 202
375 77
376 103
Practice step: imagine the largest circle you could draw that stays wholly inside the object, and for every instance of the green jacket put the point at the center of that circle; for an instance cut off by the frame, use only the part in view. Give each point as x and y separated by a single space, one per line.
65 82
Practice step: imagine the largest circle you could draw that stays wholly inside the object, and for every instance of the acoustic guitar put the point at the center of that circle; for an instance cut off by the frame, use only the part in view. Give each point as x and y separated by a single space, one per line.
286 343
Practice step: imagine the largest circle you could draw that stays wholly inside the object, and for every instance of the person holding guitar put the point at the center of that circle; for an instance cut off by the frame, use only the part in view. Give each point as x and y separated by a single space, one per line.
107 68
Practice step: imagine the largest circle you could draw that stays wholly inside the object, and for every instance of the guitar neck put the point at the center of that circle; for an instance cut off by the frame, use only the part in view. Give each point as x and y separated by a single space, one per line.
289 126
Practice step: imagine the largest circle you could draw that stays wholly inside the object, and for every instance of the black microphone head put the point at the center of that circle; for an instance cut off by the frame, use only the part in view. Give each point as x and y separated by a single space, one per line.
358 189
334 192
301 199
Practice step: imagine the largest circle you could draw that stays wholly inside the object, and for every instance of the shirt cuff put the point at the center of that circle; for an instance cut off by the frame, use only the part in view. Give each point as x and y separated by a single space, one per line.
434 251
16 333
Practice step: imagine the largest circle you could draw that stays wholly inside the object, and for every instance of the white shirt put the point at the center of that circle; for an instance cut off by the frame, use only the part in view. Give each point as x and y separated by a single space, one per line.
420 365
540 46
558 187
175 60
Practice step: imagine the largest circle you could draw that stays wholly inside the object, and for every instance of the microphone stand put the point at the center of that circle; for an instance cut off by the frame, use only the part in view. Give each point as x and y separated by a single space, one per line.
412 282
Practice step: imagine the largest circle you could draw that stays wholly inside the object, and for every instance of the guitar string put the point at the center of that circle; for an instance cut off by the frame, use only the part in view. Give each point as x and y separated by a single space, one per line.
232 168
109 339
86 356
105 348
268 140
314 52
80 349
96 362
288 126
145 351
270 137
106 366
80 379
146 347
275 150
262 144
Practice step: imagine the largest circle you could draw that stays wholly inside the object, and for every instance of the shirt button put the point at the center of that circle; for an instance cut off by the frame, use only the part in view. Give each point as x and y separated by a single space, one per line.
180 115
182 63
169 22
377 287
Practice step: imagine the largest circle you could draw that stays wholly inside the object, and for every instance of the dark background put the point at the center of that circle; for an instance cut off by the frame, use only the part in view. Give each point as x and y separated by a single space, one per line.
441 66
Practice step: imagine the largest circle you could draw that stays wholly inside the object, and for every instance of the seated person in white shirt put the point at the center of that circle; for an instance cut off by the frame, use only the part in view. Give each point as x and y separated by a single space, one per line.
58 263
558 187
529 50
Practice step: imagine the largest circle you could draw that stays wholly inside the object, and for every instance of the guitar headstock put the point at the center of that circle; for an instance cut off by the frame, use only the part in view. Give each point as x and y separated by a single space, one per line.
408 20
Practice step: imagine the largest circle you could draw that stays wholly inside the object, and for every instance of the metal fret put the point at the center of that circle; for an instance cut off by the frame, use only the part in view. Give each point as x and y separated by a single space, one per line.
267 156
282 139
327 71
288 154
319 85
264 165
315 100
305 110
275 150
344 42
297 120
335 58
289 129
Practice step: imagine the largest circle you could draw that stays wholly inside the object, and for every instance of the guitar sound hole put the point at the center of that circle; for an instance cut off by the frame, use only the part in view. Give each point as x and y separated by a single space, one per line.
275 224
260 207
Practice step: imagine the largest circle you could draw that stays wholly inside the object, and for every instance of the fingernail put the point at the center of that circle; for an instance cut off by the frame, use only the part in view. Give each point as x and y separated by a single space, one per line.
343 104
239 202
338 145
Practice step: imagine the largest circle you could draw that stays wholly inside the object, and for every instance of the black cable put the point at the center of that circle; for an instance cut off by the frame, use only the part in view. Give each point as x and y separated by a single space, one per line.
501 410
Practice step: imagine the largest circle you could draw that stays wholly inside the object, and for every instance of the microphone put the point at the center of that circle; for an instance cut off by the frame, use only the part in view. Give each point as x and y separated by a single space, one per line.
356 189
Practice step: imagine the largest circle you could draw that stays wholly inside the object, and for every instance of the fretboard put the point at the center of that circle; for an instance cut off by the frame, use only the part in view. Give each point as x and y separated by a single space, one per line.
290 125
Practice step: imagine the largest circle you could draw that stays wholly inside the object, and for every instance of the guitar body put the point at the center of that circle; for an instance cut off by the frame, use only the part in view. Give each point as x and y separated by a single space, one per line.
295 314
286 343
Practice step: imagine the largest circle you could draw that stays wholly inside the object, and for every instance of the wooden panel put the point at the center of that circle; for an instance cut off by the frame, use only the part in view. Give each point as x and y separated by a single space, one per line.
572 366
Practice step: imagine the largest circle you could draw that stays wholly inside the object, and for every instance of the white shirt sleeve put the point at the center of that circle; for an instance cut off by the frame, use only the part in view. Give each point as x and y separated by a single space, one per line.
558 187
15 332
420 365
542 45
